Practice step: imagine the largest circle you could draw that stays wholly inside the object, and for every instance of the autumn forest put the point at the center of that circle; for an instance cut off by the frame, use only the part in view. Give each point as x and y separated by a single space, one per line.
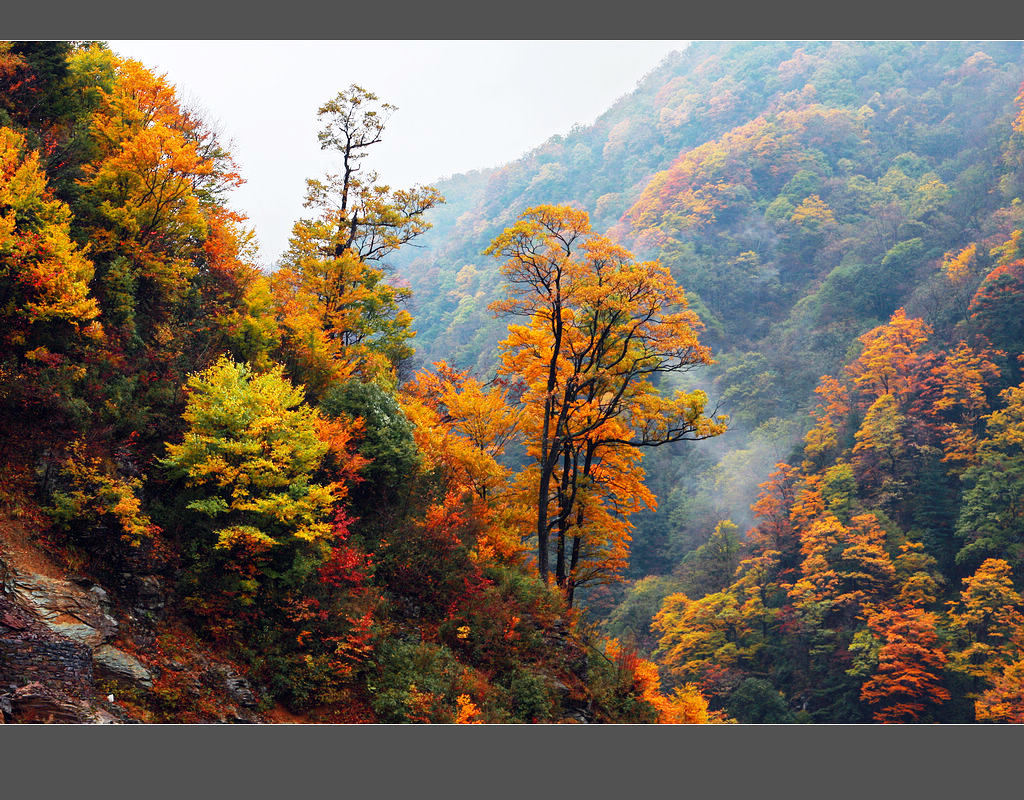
710 411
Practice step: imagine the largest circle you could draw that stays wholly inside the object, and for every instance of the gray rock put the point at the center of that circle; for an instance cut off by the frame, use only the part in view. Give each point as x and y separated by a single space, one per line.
101 597
117 664
241 691
238 688
31 651
104 717
37 703
62 606
78 632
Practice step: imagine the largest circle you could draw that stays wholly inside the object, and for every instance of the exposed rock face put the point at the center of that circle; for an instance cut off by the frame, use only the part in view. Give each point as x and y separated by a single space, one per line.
35 702
57 647
48 630
80 616
238 688
32 652
44 676
64 607
110 662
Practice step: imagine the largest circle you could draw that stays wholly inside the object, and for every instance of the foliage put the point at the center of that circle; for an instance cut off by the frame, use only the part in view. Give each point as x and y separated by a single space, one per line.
370 540
45 273
756 701
95 495
385 440
909 666
630 689
339 314
990 516
600 327
251 451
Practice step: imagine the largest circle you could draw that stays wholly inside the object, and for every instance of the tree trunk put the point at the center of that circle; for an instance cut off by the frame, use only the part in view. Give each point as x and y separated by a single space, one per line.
548 454
542 521
574 556
564 510
570 588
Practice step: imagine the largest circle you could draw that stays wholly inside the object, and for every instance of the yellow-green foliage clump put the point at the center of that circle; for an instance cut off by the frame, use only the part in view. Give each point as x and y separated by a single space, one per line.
251 447
96 495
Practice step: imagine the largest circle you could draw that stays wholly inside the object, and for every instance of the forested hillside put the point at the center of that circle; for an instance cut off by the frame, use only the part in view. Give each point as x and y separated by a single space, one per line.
709 411
220 498
845 219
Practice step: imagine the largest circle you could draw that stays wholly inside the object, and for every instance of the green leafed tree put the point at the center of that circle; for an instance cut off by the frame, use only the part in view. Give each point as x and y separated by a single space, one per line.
991 521
250 454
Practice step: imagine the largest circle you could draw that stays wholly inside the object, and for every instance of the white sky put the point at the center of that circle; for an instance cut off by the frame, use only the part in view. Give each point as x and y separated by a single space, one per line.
462 105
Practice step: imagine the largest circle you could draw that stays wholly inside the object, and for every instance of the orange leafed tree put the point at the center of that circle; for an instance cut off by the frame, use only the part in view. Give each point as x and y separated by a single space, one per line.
830 413
482 419
988 621
880 445
889 361
709 640
910 663
598 328
462 429
48 316
159 168
603 489
684 706
775 537
845 566
45 275
1004 702
958 387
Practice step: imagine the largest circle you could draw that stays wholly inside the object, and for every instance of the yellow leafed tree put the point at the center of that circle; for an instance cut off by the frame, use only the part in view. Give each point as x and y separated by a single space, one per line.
598 327
250 452
45 275
339 314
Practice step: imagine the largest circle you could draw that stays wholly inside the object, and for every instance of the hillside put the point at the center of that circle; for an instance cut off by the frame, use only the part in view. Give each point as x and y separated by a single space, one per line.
811 198
709 411
217 501
774 179
716 102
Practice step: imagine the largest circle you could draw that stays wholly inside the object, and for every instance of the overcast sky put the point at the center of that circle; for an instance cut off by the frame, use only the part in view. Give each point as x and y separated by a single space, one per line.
462 105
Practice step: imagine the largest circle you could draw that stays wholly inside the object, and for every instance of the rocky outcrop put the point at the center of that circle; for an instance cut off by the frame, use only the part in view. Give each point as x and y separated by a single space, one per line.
236 687
62 606
49 632
79 616
35 702
32 652
70 653
109 662
44 675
